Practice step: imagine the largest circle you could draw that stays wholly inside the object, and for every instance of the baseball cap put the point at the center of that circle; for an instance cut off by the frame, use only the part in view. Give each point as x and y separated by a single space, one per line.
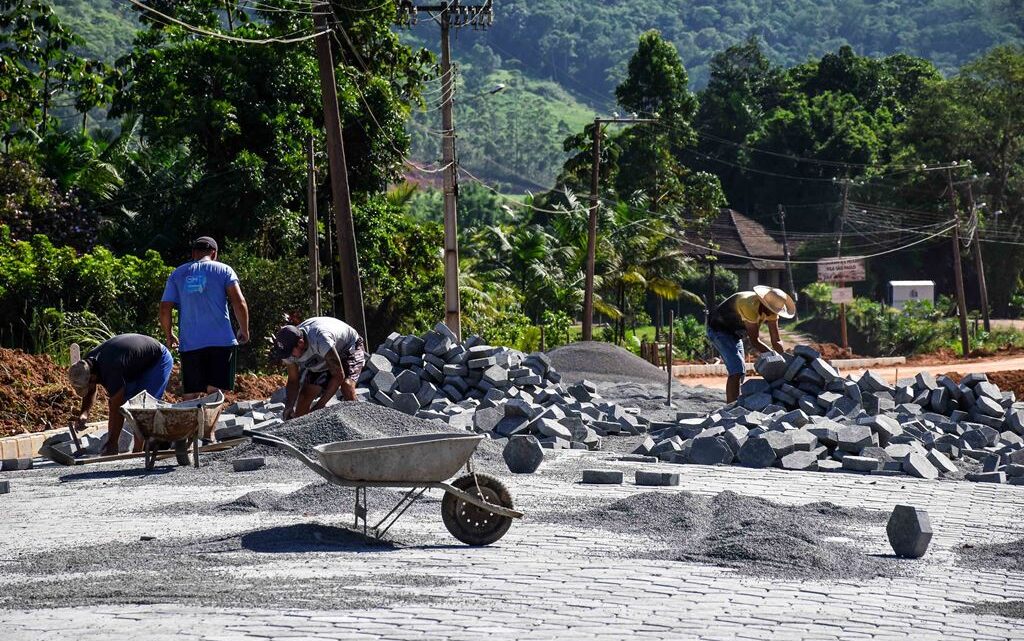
204 242
284 342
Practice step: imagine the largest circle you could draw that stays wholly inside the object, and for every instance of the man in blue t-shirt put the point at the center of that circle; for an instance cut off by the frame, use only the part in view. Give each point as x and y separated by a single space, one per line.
201 290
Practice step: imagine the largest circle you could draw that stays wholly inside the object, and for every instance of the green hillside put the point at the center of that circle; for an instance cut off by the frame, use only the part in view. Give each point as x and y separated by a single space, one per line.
561 61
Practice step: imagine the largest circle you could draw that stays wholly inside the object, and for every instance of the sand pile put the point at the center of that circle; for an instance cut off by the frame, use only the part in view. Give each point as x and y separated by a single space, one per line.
750 534
602 362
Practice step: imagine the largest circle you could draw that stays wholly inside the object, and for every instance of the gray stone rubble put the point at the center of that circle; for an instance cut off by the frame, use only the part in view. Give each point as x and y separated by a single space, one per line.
804 415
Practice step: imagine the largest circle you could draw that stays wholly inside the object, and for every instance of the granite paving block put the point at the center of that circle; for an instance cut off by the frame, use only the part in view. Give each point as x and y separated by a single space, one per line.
602 477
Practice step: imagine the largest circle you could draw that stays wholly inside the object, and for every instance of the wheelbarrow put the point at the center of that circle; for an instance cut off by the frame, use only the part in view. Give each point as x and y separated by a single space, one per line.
476 509
181 424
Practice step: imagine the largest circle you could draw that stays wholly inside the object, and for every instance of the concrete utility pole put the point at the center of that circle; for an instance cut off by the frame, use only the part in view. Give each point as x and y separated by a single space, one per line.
979 263
785 251
595 178
311 234
839 252
351 287
958 272
450 15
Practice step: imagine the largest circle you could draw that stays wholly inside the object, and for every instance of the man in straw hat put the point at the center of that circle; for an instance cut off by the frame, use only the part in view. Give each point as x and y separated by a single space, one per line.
742 314
124 365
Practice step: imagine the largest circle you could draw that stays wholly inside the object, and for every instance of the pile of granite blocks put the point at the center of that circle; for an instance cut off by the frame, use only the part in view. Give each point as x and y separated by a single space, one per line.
494 390
249 415
804 415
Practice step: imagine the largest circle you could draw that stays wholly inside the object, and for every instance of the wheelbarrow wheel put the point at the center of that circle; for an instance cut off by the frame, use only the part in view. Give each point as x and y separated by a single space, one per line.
471 524
181 452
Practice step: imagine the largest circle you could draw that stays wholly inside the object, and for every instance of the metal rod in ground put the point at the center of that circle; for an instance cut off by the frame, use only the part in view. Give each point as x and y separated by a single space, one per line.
311 235
668 350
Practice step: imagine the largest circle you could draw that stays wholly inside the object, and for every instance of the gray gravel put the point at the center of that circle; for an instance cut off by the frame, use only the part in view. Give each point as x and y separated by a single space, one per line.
318 498
1008 556
749 534
207 573
1008 609
598 361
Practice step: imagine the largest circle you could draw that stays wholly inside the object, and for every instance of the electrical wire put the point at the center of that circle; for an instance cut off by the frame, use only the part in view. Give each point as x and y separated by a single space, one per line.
223 36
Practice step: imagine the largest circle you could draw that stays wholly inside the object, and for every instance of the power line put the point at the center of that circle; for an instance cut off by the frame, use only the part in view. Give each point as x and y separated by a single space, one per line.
223 36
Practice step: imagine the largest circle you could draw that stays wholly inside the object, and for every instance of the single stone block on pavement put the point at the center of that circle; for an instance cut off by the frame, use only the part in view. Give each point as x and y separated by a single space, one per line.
644 477
909 530
986 477
712 450
770 365
248 464
523 454
602 477
802 461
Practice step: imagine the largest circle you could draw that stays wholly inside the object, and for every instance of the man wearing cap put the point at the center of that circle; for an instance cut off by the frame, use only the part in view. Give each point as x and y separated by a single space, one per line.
201 290
741 315
322 354
124 365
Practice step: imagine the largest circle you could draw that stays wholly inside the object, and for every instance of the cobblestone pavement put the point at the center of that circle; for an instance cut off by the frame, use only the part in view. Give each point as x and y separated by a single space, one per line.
541 581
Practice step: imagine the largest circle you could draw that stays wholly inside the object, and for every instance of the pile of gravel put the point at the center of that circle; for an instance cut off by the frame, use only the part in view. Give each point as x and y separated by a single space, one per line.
315 498
750 534
1007 556
602 362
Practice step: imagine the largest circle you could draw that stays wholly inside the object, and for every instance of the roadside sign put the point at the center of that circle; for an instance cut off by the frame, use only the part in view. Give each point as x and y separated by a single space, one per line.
837 270
842 294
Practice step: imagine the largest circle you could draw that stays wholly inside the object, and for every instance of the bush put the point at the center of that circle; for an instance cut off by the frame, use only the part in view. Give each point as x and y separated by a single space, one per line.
40 282
689 340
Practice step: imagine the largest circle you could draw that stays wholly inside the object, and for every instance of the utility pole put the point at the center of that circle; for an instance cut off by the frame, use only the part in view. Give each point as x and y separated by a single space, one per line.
979 263
839 251
311 234
595 179
958 272
453 14
785 251
351 287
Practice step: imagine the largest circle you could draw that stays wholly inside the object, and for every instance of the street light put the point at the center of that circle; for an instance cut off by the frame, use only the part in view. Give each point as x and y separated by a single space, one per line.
490 92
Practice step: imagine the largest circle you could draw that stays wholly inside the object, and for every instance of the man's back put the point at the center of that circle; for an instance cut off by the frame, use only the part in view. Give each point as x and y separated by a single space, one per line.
322 333
199 290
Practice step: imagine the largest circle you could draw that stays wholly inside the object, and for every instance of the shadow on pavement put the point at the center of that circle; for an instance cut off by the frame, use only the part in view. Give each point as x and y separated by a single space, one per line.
311 537
115 474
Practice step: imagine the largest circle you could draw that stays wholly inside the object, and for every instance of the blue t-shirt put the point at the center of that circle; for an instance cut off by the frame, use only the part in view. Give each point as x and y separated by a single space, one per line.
199 290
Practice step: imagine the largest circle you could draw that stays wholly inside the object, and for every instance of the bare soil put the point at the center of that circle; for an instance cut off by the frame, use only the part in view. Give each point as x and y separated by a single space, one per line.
35 395
1010 381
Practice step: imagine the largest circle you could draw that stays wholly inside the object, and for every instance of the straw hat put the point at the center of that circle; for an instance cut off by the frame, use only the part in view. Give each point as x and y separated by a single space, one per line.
778 301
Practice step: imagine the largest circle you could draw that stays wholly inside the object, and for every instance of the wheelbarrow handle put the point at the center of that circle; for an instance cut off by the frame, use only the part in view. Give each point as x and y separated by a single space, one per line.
277 441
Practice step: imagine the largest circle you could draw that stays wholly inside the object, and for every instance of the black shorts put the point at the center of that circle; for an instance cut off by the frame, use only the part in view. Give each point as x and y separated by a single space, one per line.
351 363
208 367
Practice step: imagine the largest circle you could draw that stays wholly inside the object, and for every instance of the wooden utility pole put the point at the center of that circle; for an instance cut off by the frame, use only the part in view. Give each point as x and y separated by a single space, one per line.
595 179
453 14
351 287
785 251
979 263
961 304
311 234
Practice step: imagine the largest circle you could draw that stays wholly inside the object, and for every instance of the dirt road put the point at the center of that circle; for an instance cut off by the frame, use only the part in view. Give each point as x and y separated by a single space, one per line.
902 371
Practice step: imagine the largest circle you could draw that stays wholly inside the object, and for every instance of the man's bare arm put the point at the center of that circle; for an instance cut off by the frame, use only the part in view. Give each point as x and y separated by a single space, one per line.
773 331
291 389
754 334
337 377
166 321
241 309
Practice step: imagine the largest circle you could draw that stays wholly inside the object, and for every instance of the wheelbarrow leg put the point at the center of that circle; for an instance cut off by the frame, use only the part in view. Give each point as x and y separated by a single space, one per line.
360 509
195 451
150 453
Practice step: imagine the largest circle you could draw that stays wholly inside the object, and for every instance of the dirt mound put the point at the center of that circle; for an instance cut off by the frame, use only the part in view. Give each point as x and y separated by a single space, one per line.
35 394
831 351
747 533
602 362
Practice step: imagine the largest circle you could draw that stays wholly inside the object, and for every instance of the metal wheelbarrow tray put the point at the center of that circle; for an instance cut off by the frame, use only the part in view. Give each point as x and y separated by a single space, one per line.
476 509
182 424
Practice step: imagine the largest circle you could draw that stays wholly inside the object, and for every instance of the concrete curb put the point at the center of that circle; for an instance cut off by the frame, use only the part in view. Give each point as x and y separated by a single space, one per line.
27 445
839 363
